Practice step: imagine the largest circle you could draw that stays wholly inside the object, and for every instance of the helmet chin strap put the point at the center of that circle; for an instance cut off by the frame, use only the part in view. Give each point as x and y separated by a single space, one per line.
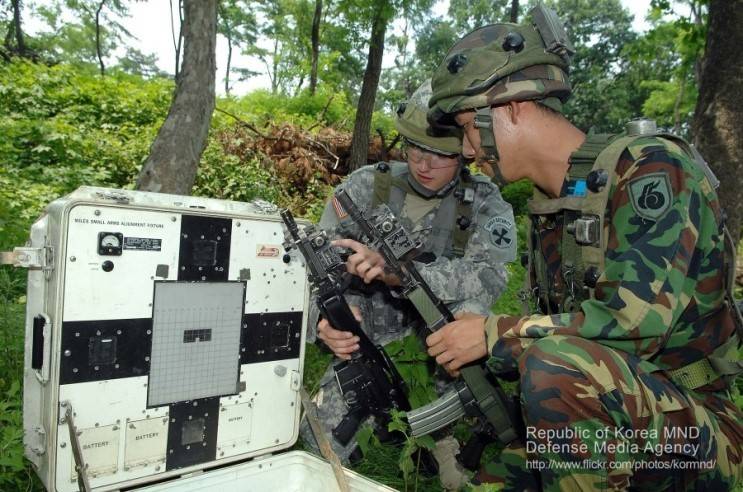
484 124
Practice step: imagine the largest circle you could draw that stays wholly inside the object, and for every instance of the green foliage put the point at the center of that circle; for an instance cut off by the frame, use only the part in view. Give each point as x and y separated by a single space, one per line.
409 466
433 40
327 108
237 23
669 104
599 30
63 128
225 176
366 438
468 15
67 128
72 38
15 473
315 363
517 194
410 360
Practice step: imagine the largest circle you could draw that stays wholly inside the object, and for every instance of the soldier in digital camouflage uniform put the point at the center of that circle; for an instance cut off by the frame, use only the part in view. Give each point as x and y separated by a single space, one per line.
629 269
468 233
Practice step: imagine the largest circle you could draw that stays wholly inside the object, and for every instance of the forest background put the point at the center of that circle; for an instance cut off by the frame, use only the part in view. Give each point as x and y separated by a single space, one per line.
80 105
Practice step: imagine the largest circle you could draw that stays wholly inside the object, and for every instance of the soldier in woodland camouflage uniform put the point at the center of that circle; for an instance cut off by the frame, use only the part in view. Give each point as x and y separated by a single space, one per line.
625 372
468 233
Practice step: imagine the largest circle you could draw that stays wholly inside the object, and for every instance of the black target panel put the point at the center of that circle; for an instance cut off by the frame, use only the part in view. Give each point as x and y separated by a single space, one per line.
204 252
192 432
110 349
270 336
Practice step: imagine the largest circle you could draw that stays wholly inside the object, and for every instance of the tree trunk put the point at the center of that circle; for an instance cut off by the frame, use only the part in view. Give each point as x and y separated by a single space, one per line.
718 121
275 67
228 35
98 36
175 153
362 124
514 11
177 44
315 45
229 62
17 27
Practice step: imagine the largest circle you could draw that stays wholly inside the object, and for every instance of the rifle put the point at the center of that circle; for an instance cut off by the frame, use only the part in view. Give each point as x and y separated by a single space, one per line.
476 393
369 382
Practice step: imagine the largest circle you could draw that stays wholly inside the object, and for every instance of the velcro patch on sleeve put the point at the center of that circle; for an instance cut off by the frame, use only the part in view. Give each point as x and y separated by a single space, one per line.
651 195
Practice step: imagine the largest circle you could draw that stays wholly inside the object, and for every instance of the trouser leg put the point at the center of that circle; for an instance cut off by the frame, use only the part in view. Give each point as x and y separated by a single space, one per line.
596 420
330 409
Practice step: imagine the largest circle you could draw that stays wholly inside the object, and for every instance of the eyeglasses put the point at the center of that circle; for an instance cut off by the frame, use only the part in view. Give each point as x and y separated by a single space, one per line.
417 156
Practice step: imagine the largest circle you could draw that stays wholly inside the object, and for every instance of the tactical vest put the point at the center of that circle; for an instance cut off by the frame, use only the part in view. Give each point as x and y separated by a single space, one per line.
583 242
452 226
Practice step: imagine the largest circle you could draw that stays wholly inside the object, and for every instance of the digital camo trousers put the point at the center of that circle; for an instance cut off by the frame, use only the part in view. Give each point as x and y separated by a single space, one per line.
331 409
596 420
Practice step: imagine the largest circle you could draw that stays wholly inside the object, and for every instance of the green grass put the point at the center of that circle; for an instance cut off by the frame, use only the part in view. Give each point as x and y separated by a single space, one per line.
15 472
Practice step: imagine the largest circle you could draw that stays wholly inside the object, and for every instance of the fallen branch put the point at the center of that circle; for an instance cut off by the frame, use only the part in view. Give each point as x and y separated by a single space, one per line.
245 124
322 115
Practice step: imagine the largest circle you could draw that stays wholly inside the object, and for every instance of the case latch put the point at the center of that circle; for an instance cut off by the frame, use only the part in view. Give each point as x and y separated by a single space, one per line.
26 257
296 381
40 448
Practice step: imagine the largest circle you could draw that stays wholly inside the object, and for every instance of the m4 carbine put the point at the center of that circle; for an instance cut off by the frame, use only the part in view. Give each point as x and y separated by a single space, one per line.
369 382
476 393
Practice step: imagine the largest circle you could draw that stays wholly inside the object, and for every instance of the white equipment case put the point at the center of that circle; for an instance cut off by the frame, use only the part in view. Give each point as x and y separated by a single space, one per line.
164 347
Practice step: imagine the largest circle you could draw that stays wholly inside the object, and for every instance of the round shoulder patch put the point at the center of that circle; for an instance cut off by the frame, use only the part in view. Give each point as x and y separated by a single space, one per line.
651 195
501 232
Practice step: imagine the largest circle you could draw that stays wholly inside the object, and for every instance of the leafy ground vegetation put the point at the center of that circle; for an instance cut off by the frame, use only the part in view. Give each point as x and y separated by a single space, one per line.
62 128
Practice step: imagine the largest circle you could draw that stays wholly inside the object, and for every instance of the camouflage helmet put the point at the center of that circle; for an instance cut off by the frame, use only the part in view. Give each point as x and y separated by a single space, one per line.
499 63
504 62
411 123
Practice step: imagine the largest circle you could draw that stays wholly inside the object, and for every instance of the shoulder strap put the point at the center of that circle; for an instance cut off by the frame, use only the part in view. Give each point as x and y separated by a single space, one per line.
462 227
594 204
382 184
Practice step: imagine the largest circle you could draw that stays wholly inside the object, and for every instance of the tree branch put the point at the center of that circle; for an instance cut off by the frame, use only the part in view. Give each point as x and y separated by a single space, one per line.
324 111
245 124
98 35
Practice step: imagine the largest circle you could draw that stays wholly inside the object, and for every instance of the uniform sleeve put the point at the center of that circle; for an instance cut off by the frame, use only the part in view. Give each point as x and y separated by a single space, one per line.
654 224
474 282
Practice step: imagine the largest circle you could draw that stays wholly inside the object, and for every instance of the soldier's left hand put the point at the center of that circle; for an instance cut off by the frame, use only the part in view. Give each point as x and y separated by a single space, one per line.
458 343
364 262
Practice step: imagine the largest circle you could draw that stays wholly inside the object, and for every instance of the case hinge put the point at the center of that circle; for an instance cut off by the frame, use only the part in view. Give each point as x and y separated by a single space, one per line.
26 257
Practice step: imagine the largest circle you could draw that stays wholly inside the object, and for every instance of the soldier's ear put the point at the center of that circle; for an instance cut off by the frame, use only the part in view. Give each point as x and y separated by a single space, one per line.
516 110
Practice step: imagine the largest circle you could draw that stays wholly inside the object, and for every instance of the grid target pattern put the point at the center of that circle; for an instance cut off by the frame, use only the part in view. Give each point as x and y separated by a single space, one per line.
183 370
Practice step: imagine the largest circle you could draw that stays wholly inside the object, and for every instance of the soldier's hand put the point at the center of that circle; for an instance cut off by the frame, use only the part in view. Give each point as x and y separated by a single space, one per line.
341 343
364 262
458 343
